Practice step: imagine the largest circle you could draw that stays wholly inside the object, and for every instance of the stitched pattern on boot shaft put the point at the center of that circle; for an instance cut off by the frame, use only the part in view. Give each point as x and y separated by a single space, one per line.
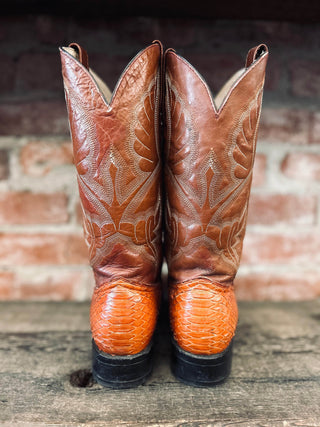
116 152
208 171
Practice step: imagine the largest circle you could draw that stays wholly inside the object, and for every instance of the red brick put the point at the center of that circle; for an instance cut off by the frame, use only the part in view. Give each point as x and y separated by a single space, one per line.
108 68
282 34
223 32
51 29
59 286
18 30
36 118
4 165
33 208
78 211
7 75
38 158
315 129
305 78
176 32
296 248
273 73
98 35
42 249
259 170
139 30
278 286
6 285
302 166
275 209
216 68
285 126
275 34
39 72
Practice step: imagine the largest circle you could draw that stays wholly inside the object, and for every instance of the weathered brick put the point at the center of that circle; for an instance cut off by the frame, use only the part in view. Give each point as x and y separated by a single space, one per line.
216 68
302 166
6 285
30 79
99 35
140 30
33 208
78 211
282 34
51 29
42 249
305 78
315 129
224 32
278 286
259 170
283 125
275 34
275 209
296 248
37 118
18 30
273 74
7 75
108 68
4 165
169 32
57 286
38 158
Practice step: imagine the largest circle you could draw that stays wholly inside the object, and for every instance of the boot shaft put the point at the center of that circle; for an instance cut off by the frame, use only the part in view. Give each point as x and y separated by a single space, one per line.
117 156
210 148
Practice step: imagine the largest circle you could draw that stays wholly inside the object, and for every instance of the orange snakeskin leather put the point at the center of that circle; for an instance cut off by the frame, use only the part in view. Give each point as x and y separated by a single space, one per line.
117 157
123 316
208 172
203 316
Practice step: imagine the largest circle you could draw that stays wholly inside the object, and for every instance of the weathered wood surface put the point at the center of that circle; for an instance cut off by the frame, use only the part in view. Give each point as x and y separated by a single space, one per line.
275 379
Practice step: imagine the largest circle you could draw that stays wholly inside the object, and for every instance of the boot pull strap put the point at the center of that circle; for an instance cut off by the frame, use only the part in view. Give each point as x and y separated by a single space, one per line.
83 56
255 53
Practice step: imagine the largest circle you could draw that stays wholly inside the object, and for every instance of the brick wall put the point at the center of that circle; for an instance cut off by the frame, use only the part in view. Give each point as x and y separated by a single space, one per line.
42 253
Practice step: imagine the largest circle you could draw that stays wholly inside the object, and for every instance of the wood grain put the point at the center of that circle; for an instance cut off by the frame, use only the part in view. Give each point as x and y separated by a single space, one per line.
275 380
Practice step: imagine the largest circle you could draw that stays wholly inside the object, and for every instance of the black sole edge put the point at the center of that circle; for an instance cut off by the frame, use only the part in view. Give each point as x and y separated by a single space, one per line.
198 370
119 372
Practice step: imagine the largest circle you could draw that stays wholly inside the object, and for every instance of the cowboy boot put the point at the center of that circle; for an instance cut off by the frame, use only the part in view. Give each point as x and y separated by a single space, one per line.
210 149
116 153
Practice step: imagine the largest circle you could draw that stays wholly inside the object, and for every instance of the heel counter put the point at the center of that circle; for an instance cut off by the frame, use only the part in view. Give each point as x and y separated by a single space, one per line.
203 316
123 317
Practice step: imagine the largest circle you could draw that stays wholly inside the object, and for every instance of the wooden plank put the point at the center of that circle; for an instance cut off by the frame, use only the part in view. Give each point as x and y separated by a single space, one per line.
275 378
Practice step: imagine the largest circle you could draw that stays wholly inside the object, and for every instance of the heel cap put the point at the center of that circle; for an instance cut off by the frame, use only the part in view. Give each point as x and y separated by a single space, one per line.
121 371
201 370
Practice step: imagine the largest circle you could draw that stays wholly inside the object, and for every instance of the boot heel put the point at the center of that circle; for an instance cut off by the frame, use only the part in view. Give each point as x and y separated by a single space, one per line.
121 371
201 370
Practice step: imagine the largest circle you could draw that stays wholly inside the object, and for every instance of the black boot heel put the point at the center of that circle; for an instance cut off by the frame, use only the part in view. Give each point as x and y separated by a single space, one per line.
121 371
201 370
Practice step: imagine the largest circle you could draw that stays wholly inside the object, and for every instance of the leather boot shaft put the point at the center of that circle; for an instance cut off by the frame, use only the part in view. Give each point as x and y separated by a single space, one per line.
116 145
210 150
116 153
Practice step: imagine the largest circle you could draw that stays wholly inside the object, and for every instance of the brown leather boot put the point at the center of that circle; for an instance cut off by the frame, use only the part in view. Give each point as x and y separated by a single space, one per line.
116 153
210 149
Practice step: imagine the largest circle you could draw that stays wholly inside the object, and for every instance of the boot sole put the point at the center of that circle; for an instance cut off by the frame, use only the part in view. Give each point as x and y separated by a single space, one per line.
121 371
201 370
